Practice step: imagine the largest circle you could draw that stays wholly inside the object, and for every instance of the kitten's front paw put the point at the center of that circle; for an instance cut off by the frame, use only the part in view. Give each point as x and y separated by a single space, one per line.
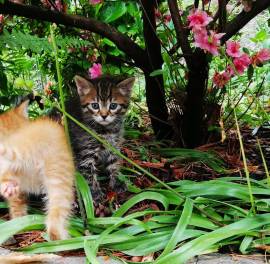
118 186
9 189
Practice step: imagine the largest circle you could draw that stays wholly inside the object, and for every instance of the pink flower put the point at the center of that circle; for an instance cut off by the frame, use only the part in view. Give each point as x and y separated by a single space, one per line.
198 19
206 42
167 18
59 5
233 49
95 71
241 63
2 18
230 71
261 56
201 38
157 14
221 79
95 2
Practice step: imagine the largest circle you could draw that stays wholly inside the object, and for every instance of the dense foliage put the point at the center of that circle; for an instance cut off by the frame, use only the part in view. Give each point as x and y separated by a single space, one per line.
200 69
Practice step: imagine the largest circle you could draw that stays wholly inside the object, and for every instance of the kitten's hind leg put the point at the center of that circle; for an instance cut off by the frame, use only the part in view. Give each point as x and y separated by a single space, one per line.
60 199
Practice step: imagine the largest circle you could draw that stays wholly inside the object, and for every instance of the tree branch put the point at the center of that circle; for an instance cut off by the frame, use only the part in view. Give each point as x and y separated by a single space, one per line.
181 35
222 14
123 42
243 18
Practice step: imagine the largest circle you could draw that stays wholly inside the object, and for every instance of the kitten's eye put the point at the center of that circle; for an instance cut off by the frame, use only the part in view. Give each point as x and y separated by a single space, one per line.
95 106
113 106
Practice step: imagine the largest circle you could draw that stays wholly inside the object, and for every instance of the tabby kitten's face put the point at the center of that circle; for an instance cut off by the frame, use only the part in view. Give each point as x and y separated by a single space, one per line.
102 99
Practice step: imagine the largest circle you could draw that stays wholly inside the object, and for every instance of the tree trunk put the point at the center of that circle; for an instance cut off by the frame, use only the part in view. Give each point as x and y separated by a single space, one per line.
194 106
155 94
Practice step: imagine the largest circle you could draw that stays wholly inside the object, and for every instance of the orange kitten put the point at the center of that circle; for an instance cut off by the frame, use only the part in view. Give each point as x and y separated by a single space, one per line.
35 158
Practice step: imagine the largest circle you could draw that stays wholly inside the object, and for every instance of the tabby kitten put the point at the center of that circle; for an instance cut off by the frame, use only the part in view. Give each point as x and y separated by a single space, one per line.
35 158
103 103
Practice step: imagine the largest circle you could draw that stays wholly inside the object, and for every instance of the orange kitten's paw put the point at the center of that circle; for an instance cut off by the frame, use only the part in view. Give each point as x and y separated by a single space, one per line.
57 233
9 189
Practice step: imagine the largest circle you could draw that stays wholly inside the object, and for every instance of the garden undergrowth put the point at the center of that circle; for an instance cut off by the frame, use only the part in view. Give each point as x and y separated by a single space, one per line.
182 217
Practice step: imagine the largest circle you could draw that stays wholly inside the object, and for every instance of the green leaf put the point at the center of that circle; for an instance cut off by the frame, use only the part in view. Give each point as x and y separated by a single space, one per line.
90 254
180 227
71 244
108 42
156 72
86 195
245 244
140 197
16 225
115 11
132 9
205 242
260 36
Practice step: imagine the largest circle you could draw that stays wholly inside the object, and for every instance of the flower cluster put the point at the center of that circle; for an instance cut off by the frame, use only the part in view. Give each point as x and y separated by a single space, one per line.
240 62
166 18
208 41
95 71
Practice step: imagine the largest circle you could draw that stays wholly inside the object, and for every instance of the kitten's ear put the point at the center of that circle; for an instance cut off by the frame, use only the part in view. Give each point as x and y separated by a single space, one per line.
22 109
125 86
83 85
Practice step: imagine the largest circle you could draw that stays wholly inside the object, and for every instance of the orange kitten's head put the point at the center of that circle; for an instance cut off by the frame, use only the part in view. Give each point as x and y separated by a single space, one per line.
13 119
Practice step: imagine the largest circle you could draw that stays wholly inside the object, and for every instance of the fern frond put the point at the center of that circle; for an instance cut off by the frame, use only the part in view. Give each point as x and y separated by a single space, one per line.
17 40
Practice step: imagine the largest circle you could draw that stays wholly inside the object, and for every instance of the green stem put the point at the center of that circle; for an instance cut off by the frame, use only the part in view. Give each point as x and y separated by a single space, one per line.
245 165
62 103
60 82
264 162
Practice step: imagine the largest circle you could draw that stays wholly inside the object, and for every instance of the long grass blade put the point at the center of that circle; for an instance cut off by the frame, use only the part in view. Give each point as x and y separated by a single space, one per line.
205 242
180 228
86 195
245 165
17 225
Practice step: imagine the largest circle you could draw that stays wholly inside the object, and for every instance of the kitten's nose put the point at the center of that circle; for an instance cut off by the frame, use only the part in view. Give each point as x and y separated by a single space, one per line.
104 117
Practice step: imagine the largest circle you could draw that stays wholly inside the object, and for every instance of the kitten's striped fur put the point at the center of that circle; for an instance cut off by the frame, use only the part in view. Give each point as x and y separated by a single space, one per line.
35 158
112 96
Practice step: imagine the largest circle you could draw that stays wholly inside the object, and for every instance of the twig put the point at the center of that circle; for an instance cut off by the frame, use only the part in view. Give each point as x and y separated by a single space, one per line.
181 35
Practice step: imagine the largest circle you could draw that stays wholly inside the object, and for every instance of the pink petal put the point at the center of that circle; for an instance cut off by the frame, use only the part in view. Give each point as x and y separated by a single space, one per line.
95 2
233 49
199 19
242 63
95 71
